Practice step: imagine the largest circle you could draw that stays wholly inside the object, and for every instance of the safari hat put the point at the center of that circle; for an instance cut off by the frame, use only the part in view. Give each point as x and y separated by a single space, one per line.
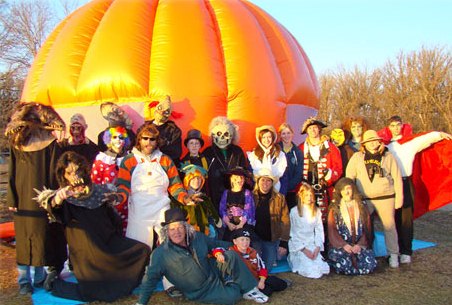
370 135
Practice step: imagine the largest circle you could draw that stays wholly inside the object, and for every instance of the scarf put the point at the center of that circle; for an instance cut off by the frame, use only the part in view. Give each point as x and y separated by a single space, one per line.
373 164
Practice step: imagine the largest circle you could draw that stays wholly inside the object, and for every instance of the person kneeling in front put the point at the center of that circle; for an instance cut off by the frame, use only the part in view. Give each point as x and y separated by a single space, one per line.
183 259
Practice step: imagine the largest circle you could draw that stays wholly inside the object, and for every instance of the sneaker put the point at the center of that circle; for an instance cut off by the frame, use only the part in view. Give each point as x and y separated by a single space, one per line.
25 289
405 259
174 293
394 261
255 295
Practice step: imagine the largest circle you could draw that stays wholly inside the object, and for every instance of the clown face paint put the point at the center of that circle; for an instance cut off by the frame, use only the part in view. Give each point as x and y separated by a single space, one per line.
117 142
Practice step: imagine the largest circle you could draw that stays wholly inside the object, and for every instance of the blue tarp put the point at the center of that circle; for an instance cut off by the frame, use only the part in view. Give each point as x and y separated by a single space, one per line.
42 297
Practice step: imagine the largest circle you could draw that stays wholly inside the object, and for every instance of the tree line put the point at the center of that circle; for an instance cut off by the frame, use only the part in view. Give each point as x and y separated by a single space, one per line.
415 85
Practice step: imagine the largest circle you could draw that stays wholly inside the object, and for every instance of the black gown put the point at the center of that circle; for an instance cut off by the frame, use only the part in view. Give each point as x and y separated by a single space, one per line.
38 243
219 165
106 265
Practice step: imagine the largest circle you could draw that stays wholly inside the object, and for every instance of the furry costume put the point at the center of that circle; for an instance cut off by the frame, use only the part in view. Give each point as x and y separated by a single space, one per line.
107 265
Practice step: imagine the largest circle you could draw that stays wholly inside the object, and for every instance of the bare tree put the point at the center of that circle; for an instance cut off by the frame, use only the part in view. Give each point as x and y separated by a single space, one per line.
418 87
345 93
24 26
67 7
10 88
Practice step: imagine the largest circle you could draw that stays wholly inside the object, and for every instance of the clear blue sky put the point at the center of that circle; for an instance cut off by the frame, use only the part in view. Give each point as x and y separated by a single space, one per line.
361 33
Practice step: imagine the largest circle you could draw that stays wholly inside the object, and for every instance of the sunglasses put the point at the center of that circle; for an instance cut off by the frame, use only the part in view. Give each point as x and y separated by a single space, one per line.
118 137
148 138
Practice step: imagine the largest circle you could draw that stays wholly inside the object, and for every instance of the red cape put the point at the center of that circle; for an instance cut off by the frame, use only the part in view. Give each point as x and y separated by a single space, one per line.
432 178
432 172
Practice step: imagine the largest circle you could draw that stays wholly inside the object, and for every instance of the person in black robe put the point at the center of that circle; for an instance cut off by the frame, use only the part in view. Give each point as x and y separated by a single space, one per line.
34 152
107 265
222 156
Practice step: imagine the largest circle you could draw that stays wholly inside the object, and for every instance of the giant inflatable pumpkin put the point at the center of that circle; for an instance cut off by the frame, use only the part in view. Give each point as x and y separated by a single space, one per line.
213 57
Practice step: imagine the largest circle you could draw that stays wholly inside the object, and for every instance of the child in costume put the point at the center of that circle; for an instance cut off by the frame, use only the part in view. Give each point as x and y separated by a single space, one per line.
306 236
237 207
349 229
202 215
266 284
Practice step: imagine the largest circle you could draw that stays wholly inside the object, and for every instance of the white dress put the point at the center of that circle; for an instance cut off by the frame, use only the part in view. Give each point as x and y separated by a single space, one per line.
306 232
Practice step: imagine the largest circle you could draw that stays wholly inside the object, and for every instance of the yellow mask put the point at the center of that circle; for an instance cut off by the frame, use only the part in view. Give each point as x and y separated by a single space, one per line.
337 136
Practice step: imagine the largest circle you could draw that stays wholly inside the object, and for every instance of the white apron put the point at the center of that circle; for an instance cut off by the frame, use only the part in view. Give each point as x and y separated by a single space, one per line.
149 199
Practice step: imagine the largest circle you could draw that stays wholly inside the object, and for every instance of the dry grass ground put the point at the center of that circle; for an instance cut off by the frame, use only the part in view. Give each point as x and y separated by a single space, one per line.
428 280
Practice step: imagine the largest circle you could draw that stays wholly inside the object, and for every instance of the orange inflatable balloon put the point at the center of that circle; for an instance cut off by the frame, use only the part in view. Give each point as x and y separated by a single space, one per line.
212 57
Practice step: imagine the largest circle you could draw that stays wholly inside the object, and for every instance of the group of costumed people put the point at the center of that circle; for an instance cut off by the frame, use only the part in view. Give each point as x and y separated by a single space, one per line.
213 223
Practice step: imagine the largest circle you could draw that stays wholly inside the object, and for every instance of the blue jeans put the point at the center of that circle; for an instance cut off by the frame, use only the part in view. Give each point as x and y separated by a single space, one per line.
24 276
268 251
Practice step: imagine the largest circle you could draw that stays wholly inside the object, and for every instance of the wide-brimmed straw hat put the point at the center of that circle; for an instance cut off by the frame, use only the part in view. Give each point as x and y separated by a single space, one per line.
370 135
265 172
312 121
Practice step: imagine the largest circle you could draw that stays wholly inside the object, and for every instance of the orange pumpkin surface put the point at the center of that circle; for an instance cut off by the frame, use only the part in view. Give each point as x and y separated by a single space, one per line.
212 57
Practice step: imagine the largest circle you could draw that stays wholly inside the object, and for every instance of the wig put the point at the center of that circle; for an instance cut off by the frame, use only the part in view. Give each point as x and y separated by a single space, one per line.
222 120
114 130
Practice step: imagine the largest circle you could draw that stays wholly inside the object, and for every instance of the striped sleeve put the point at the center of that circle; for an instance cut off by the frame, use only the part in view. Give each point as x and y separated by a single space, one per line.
126 169
175 188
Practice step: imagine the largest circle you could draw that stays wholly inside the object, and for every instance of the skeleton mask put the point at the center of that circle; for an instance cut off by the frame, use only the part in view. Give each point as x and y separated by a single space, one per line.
222 135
